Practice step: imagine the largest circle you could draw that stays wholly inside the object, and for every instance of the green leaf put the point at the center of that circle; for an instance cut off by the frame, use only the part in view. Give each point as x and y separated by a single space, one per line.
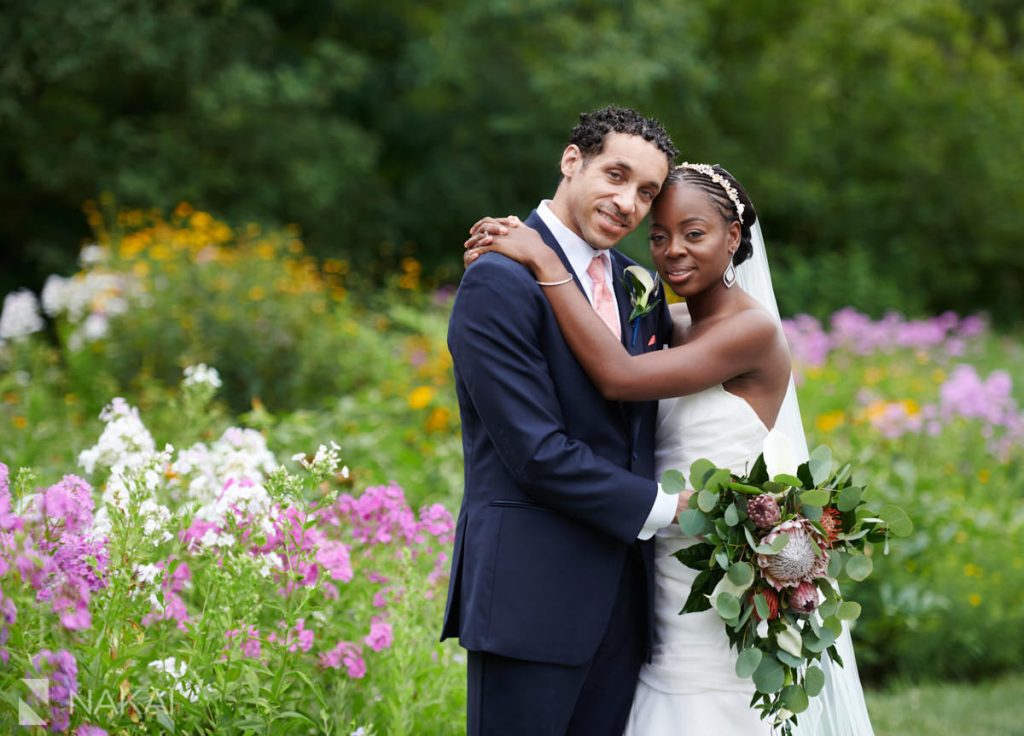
769 676
823 641
897 520
816 497
858 567
795 699
719 479
814 681
758 473
789 480
835 564
707 500
779 543
744 488
748 661
813 513
722 558
788 659
741 574
731 516
820 464
848 611
727 605
699 473
848 498
695 556
761 604
672 481
693 522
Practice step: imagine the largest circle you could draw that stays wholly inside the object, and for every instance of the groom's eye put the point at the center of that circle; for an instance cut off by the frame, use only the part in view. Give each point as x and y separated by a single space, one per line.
615 175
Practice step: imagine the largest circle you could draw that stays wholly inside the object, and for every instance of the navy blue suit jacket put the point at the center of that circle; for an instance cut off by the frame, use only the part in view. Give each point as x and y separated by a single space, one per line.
558 481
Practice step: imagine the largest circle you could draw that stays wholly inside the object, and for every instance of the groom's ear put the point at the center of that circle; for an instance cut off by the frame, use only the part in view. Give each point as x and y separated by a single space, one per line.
572 160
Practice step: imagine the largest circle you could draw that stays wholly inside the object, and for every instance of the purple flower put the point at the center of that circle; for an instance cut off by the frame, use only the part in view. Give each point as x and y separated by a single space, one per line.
347 654
88 730
69 501
334 557
62 671
380 636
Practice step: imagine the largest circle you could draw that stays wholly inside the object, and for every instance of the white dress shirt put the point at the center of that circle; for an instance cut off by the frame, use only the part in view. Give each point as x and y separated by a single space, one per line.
580 254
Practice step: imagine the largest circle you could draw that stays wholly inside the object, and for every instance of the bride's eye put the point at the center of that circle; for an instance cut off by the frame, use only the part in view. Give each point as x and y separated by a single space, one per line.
694 234
656 238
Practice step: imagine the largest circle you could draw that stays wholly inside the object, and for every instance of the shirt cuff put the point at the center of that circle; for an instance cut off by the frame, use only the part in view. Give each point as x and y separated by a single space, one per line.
662 514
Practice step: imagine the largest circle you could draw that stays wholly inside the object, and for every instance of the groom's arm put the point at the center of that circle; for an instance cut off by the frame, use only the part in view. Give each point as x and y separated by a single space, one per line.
495 346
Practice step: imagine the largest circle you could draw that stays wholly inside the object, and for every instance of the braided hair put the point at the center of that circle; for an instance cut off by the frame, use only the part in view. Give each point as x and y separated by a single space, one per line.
721 201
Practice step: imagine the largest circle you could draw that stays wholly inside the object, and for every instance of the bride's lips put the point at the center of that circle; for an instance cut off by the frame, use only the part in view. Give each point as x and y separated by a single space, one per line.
679 276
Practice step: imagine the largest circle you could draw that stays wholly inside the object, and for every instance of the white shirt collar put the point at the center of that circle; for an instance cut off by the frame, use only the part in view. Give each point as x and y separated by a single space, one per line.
577 250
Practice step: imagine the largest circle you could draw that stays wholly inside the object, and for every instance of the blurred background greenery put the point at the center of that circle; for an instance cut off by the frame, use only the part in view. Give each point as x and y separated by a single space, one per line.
882 141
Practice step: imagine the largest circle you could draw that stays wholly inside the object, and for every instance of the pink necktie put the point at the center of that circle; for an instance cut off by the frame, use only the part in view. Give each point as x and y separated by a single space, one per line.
604 301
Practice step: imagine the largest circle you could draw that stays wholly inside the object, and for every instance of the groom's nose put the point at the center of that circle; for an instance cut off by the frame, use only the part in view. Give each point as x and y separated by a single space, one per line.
625 201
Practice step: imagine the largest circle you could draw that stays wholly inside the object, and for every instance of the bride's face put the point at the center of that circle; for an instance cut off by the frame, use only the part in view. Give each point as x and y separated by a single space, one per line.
691 242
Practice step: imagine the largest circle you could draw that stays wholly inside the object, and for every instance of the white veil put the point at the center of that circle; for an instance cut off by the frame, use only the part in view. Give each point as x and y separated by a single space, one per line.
840 709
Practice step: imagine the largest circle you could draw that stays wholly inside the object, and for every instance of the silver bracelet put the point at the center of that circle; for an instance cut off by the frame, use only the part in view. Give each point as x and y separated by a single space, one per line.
566 280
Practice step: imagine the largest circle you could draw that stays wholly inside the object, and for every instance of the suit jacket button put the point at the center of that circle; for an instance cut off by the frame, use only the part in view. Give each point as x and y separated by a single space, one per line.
635 457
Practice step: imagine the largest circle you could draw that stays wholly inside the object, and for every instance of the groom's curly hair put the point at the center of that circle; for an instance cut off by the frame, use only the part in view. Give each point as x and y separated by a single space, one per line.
595 126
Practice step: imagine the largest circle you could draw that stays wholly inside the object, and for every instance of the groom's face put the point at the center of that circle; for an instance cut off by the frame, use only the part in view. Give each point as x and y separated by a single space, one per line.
609 194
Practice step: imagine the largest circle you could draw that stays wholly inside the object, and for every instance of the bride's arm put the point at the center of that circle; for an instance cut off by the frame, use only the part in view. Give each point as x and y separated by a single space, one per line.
734 347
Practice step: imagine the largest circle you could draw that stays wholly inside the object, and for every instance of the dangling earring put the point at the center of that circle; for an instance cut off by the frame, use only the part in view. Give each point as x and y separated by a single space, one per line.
729 277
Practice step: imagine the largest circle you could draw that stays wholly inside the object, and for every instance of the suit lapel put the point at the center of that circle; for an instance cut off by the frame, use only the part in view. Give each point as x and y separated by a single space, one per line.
537 224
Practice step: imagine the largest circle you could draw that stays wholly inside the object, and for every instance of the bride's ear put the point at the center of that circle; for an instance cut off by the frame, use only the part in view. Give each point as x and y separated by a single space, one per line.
735 236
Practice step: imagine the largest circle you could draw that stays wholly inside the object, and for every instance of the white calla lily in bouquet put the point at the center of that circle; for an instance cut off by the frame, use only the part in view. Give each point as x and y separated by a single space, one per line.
774 544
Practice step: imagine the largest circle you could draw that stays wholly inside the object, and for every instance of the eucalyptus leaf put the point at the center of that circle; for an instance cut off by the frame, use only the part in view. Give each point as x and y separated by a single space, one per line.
813 513
848 498
748 661
897 520
741 573
672 481
835 564
788 659
794 699
770 675
848 611
814 681
700 470
858 567
719 479
761 604
693 522
727 605
820 464
789 480
816 497
707 499
731 515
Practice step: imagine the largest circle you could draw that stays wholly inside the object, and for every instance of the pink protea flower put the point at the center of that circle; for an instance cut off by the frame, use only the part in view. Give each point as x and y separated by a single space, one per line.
764 511
804 598
797 562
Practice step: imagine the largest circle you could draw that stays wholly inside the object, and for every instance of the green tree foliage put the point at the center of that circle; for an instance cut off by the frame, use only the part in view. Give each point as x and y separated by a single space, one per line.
881 141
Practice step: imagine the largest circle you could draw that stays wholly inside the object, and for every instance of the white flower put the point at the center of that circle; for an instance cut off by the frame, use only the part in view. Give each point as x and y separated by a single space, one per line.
91 255
789 640
762 629
146 573
125 442
778 454
176 671
202 374
155 518
20 316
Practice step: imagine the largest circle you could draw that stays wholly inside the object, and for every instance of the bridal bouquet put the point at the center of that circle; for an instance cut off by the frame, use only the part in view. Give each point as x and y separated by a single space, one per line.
773 544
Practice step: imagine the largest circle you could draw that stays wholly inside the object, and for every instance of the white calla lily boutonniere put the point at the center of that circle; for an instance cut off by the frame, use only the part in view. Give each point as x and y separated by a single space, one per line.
641 287
778 454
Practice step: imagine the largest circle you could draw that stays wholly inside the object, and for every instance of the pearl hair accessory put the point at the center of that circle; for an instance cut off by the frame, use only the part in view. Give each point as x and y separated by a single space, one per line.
714 176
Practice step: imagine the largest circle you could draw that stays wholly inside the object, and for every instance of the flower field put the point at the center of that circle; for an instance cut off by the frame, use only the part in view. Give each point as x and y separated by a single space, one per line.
228 476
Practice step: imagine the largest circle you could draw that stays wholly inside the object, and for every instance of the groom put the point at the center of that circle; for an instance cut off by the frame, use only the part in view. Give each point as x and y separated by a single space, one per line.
551 585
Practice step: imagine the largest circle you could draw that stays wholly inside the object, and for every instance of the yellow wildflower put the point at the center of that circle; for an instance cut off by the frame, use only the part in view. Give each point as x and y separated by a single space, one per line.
974 599
830 421
421 396
438 419
19 421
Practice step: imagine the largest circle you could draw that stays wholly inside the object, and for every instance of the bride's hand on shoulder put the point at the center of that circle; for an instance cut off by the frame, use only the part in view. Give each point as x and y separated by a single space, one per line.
510 237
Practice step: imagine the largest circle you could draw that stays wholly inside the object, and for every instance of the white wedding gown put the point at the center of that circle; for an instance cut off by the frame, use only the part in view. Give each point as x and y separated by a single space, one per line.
690 688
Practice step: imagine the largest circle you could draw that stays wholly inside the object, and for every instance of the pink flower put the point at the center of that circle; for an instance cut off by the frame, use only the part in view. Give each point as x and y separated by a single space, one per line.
347 654
797 562
334 558
87 730
61 669
804 598
69 501
380 636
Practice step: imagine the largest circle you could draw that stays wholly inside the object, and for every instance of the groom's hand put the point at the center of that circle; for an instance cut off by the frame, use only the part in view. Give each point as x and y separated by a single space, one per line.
683 502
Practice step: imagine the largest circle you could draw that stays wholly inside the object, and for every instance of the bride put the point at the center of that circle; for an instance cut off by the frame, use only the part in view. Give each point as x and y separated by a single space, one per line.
723 384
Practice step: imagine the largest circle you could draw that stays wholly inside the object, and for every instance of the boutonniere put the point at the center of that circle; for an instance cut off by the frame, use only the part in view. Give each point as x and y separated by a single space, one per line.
641 287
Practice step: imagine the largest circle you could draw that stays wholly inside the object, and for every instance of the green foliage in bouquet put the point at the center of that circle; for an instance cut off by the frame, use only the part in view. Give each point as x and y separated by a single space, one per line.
773 545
